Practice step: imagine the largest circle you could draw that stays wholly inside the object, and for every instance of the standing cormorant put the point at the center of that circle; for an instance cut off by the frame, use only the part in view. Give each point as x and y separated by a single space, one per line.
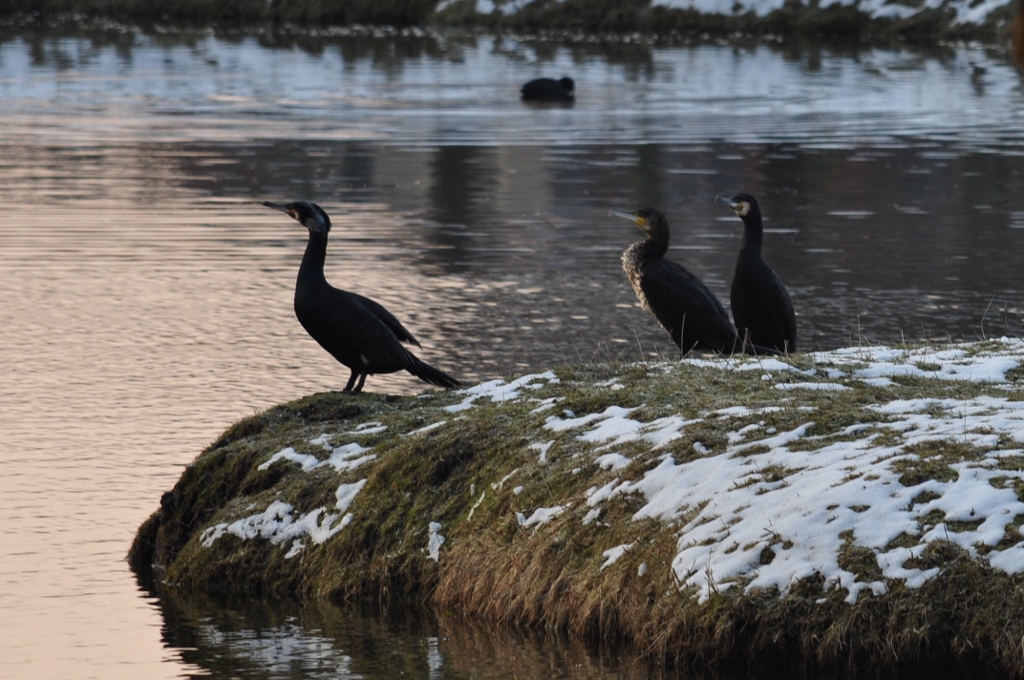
357 331
760 304
550 90
677 299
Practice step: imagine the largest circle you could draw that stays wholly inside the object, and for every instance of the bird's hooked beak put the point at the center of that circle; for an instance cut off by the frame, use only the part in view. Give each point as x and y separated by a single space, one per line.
283 207
632 217
741 208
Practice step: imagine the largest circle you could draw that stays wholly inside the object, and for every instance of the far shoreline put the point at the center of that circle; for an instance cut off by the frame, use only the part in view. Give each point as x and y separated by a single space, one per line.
635 23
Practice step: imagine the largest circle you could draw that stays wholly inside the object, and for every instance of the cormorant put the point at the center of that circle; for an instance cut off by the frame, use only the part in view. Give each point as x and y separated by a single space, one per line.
550 90
761 306
357 331
677 299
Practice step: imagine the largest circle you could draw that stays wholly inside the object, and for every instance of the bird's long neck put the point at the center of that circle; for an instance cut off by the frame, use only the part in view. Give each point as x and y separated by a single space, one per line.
752 236
654 247
311 271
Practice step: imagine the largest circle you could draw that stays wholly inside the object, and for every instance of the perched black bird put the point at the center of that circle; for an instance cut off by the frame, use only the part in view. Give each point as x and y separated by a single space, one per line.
677 299
550 90
357 331
760 304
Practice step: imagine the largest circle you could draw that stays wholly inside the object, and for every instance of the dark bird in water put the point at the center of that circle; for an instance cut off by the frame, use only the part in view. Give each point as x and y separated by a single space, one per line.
761 306
677 299
550 90
357 331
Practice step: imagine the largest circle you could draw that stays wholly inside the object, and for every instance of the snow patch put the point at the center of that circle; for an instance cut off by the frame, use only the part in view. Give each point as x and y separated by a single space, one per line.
305 461
543 448
612 555
279 525
499 391
825 387
540 516
612 461
434 541
347 457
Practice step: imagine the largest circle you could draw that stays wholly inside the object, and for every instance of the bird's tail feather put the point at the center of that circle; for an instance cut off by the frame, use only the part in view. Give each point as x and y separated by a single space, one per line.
432 375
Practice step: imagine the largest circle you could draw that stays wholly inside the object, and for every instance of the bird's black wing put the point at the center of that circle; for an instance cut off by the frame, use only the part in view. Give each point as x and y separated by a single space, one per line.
784 309
353 334
686 307
761 306
387 318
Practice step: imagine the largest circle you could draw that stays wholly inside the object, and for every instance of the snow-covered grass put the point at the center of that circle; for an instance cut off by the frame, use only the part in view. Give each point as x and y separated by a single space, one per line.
659 490
964 11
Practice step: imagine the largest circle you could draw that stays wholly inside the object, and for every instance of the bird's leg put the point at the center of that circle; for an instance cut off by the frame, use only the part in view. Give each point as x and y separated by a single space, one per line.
351 382
359 385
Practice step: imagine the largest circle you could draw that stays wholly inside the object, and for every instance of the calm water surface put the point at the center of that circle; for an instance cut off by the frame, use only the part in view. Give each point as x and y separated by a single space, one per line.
147 294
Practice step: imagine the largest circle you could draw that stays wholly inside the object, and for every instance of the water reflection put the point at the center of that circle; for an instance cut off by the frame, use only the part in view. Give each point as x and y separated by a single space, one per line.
267 640
859 235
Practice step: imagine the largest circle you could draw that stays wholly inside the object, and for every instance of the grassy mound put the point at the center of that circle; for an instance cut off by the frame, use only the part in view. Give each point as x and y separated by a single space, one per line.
859 508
